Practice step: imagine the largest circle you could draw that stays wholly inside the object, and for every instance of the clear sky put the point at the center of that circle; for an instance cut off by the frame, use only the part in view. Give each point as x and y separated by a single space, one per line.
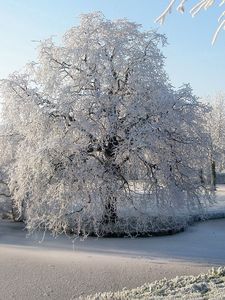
190 56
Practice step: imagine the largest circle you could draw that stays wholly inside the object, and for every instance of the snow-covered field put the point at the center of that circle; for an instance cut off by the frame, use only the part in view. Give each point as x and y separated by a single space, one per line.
60 269
204 286
64 269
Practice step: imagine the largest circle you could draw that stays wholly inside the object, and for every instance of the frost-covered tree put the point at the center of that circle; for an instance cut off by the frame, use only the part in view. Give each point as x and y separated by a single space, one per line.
101 136
195 9
5 199
216 128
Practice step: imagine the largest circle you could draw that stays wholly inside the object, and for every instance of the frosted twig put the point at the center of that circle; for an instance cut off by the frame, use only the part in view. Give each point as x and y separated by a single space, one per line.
200 5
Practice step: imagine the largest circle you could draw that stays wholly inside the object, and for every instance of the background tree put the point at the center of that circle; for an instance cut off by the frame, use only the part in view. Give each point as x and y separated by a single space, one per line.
91 115
8 147
196 8
216 129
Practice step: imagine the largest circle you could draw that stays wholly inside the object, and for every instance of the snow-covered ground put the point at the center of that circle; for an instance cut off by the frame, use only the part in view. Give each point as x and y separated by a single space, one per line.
204 286
60 269
64 269
218 209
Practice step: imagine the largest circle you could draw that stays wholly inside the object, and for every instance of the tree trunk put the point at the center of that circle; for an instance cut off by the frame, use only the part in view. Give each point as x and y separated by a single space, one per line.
213 175
110 209
14 212
201 175
16 215
110 213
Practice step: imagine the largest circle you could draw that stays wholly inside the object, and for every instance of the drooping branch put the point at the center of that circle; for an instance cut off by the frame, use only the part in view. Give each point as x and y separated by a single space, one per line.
199 6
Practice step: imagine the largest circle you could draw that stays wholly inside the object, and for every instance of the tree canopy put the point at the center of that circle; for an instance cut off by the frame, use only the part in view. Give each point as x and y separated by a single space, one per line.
96 137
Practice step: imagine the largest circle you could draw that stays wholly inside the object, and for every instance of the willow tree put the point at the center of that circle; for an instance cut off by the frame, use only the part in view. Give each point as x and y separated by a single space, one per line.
94 116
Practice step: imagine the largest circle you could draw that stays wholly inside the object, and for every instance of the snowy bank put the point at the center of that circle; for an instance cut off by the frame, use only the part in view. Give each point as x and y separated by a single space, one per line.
204 286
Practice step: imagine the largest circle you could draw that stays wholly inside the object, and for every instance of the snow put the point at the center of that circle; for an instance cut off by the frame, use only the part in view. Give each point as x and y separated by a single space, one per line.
218 209
65 269
205 286
60 269
185 246
30 274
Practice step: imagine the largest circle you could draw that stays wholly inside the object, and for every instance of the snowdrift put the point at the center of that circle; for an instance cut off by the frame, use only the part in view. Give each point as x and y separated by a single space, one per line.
204 286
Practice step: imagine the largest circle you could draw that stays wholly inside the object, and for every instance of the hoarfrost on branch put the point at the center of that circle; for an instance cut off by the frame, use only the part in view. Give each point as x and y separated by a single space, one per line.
196 8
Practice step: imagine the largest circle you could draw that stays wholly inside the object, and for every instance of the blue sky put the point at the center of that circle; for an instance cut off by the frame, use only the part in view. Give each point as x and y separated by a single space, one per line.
190 56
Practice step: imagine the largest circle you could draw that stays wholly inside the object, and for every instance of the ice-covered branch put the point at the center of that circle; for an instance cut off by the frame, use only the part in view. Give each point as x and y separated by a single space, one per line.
199 6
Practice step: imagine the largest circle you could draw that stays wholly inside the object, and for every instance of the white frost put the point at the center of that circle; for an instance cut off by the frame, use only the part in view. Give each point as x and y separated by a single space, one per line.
204 286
